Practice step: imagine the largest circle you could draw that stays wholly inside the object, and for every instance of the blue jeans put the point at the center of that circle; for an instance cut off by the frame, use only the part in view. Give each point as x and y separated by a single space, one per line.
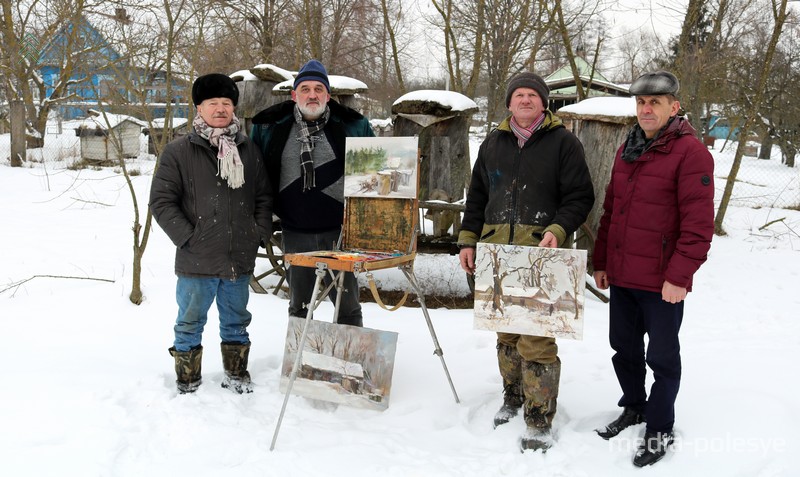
301 279
195 295
634 313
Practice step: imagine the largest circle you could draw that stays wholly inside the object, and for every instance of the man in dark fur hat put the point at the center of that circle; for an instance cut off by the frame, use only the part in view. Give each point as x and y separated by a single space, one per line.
303 143
211 196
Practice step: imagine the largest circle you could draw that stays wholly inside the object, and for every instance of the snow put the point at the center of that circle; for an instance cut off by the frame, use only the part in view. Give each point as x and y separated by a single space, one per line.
88 386
455 101
107 121
605 106
337 83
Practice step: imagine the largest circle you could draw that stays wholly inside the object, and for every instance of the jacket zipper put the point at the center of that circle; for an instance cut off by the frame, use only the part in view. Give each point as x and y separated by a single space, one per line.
514 194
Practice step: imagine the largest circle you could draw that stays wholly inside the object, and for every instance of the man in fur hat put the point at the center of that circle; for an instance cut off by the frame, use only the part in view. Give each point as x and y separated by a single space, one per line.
303 143
655 232
530 186
211 196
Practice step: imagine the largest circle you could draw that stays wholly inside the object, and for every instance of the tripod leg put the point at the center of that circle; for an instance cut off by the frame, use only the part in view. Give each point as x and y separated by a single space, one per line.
293 375
438 350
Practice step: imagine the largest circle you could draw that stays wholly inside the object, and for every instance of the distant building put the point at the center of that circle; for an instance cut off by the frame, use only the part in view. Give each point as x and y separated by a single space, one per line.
563 90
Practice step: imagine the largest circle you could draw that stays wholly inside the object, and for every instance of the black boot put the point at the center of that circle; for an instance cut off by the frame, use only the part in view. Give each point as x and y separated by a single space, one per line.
188 366
653 448
509 361
234 360
629 417
540 383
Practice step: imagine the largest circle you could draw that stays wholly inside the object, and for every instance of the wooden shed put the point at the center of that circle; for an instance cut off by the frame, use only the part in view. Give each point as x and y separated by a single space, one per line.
155 133
109 137
601 124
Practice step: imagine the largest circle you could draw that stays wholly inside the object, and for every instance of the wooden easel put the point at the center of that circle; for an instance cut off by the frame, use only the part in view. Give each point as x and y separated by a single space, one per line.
377 234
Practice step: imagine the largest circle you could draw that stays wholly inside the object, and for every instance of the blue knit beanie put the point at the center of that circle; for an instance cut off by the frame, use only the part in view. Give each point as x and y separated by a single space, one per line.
313 70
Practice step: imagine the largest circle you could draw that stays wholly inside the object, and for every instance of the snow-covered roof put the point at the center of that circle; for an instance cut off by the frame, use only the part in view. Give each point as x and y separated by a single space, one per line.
98 120
176 122
339 85
330 363
269 72
612 106
243 75
447 99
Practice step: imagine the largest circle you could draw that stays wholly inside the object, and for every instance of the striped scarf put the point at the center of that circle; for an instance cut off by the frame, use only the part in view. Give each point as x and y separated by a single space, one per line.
306 137
523 134
229 164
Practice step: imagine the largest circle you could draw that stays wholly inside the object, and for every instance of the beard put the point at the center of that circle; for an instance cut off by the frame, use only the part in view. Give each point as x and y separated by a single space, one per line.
311 111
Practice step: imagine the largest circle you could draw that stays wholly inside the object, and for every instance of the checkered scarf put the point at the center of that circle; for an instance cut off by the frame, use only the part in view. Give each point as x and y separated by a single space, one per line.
306 137
229 164
523 134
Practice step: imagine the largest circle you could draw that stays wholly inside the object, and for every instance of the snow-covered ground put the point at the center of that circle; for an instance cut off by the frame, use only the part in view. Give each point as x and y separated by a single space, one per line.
88 386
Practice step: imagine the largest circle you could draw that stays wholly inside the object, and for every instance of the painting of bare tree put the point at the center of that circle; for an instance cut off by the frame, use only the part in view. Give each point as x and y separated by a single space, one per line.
535 291
342 364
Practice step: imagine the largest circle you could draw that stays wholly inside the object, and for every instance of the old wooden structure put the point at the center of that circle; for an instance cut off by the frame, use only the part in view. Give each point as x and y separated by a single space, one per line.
441 119
159 133
602 124
107 137
255 91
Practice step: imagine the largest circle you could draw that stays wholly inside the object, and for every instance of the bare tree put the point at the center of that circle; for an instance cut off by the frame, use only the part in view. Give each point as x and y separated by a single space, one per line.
779 16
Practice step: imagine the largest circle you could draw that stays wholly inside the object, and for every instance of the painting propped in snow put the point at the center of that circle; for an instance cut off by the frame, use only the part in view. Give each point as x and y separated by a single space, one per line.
381 167
535 291
342 364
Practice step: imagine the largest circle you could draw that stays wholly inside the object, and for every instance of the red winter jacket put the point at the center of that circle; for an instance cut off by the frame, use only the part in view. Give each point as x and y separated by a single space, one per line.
658 217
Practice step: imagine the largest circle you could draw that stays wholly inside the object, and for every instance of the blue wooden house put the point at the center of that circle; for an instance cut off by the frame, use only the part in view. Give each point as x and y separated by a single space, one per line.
105 76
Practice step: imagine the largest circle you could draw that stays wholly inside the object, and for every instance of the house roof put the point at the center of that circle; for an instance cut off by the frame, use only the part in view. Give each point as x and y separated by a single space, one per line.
331 363
100 121
562 83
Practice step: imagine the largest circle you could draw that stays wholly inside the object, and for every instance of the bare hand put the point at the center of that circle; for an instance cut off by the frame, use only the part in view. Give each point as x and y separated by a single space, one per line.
467 258
549 240
672 293
601 279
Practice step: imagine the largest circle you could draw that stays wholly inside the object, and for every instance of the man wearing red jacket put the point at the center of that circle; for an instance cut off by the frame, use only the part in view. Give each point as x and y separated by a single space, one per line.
654 234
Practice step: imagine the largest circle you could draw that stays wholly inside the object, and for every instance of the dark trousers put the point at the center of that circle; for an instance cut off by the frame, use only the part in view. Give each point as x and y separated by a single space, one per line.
301 279
632 314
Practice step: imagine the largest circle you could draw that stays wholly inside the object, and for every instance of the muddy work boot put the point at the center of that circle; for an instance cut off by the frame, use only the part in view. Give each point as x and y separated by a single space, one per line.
188 366
234 360
540 385
629 417
510 364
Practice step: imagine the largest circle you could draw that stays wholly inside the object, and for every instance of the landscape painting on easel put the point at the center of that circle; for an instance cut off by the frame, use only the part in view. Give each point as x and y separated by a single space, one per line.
342 364
535 291
381 167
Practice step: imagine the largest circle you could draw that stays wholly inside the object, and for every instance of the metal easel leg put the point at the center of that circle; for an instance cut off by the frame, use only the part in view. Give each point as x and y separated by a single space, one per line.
339 290
293 375
409 273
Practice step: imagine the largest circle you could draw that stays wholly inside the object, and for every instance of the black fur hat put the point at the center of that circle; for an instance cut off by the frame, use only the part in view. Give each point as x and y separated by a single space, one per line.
214 85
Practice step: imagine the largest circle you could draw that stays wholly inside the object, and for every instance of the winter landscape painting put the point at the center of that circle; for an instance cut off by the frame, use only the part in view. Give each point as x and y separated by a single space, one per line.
341 364
381 167
535 291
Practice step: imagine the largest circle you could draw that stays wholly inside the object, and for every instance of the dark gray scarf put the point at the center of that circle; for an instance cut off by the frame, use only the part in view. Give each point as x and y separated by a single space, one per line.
636 143
306 137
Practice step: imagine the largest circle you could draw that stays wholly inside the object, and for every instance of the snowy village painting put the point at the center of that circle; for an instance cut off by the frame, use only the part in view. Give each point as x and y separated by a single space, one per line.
342 364
381 167
535 291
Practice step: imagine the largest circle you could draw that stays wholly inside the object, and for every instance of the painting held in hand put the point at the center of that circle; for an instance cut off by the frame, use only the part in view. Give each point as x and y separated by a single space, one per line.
341 364
535 291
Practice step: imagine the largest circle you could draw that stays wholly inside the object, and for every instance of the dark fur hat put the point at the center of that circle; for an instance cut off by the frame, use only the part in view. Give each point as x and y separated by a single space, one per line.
214 85
528 80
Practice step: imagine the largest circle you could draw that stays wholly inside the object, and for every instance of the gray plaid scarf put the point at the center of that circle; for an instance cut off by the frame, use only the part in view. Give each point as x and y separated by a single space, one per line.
229 164
306 137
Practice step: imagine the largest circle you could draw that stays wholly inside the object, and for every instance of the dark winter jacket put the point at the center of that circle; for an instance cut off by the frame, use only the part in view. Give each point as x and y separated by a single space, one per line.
658 217
311 211
517 194
217 229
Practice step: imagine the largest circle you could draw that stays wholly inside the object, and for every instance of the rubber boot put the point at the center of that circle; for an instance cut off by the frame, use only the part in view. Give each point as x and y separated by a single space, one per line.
540 385
510 363
188 366
234 360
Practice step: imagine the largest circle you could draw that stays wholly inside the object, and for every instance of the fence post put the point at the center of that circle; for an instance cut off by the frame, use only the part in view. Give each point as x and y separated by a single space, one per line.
17 119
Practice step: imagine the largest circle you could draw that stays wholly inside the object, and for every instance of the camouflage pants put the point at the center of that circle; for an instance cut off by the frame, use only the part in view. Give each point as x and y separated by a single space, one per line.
539 349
